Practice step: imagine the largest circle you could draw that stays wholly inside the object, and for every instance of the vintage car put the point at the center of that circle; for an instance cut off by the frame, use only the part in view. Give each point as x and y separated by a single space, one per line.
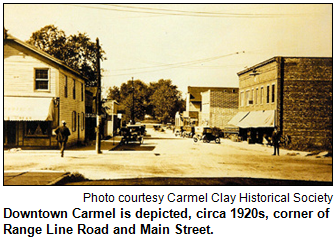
209 134
132 133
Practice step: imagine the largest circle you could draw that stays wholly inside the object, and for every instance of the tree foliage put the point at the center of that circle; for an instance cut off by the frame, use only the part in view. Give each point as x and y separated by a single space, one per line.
159 99
77 51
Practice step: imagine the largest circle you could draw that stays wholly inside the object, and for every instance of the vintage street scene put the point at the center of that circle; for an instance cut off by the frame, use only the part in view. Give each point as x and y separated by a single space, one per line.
168 94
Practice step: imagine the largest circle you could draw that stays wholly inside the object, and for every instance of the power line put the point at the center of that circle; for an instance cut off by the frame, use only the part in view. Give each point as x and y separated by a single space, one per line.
169 12
177 65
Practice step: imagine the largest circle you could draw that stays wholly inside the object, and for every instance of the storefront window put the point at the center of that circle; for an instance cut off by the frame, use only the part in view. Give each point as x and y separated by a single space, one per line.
34 128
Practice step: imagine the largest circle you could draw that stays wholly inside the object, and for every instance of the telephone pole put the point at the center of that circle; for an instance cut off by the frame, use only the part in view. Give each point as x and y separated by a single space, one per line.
132 113
98 96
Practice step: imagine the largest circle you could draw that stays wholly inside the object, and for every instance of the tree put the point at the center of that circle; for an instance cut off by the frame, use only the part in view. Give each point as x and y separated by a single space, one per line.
113 93
77 51
165 100
140 90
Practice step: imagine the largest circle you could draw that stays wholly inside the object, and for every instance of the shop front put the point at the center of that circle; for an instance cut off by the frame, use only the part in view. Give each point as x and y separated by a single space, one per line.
28 122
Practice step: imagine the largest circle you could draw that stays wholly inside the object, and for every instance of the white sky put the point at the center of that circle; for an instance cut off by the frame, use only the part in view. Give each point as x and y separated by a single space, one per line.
138 44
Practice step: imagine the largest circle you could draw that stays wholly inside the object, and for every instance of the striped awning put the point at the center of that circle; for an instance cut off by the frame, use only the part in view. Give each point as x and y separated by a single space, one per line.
28 109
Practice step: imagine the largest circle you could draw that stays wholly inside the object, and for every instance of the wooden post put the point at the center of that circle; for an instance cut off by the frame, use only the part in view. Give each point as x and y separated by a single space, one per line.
98 96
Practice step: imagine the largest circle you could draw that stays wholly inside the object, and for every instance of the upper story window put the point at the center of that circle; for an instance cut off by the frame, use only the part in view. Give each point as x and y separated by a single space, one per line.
74 89
241 98
65 86
273 93
268 94
261 95
247 98
256 96
41 79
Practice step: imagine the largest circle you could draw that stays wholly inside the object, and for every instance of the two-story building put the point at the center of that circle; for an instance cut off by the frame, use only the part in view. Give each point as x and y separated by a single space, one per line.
211 106
292 93
39 92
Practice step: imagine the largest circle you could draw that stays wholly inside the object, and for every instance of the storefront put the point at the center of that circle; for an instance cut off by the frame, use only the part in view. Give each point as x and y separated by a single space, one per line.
28 121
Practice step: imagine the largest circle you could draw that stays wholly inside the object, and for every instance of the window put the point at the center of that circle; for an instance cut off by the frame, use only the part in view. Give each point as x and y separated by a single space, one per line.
252 97
256 96
234 91
261 95
65 86
74 121
41 79
241 98
74 89
247 98
268 94
273 93
37 129
82 92
83 120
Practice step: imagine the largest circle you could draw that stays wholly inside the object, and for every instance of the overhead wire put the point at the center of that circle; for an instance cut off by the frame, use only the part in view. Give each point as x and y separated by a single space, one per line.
170 12
176 65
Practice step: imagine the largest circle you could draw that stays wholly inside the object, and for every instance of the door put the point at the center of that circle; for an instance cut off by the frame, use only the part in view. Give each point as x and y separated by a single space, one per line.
11 132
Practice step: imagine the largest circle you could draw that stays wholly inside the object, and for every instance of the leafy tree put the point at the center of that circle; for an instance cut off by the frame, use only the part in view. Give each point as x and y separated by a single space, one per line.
113 93
140 90
77 51
165 100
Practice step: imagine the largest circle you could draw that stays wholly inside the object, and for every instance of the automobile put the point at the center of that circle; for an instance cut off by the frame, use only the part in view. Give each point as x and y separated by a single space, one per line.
209 134
188 131
132 133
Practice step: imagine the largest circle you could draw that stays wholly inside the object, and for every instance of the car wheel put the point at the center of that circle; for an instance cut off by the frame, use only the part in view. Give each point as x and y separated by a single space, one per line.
195 139
217 141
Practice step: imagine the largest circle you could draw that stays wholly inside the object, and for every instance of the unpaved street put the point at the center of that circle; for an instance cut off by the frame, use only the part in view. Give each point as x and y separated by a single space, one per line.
164 155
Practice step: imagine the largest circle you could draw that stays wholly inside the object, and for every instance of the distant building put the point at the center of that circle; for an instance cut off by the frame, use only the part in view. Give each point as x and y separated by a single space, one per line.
218 107
39 92
211 106
292 93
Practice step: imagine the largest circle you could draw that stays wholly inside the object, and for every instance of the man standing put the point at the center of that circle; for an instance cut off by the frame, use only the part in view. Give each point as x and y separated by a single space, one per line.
275 140
62 133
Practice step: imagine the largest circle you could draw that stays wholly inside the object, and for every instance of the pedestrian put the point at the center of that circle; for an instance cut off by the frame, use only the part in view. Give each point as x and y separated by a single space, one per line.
62 134
276 140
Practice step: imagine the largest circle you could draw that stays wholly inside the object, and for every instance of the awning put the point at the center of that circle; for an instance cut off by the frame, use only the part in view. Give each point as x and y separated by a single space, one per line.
238 117
258 119
28 109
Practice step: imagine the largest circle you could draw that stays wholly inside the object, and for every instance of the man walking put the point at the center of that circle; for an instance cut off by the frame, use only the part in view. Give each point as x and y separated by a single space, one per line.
275 140
62 133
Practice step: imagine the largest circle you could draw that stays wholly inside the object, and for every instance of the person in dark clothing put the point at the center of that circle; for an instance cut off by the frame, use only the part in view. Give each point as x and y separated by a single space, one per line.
276 140
62 134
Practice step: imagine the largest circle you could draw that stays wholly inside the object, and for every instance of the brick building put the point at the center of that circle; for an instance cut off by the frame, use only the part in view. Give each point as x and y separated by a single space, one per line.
39 92
292 93
218 107
211 106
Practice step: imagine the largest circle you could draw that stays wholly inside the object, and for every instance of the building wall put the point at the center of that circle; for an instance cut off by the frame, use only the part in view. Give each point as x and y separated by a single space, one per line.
307 102
19 73
223 106
68 105
219 106
255 86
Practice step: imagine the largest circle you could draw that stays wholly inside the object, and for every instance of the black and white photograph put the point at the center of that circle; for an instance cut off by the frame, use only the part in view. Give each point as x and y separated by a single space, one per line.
167 95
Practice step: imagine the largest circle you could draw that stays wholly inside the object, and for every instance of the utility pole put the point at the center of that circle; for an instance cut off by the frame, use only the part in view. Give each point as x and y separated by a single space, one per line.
132 113
98 96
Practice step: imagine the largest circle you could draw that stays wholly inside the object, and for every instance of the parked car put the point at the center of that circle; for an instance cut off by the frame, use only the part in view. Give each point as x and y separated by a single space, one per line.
209 134
132 133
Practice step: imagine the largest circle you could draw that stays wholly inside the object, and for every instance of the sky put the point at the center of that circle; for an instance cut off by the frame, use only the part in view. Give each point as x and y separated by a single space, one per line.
191 44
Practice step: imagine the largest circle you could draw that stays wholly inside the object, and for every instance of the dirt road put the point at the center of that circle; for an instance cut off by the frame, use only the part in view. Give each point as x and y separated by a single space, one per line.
164 155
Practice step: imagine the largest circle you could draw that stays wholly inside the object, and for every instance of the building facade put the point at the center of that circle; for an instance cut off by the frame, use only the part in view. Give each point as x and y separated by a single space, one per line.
39 92
292 93
218 107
